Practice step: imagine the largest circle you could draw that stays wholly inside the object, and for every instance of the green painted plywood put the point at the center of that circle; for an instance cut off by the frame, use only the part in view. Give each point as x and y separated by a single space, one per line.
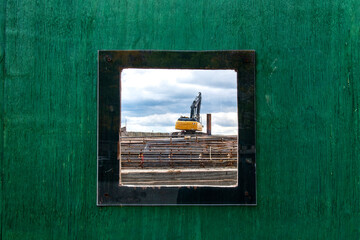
308 168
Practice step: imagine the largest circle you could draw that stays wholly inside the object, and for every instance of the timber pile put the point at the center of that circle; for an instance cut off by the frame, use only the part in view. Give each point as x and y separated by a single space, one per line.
173 160
185 177
170 152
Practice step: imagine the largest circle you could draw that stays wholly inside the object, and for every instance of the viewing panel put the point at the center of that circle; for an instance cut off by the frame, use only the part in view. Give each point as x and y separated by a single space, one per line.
176 128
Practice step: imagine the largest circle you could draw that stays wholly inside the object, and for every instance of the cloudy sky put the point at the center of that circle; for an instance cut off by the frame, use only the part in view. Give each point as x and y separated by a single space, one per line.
153 99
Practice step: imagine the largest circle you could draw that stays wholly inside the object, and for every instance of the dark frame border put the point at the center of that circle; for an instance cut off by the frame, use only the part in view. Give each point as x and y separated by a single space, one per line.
110 65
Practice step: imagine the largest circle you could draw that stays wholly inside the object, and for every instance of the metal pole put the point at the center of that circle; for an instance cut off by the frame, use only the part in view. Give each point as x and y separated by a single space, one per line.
208 124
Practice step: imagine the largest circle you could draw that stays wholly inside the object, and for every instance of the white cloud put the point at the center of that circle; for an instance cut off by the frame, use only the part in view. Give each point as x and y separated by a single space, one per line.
164 85
222 123
153 99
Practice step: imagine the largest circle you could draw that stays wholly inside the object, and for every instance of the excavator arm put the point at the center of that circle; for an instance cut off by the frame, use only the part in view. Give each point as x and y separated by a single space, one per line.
195 108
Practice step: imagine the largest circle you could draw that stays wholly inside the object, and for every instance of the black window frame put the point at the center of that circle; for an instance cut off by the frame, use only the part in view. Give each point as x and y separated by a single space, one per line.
110 65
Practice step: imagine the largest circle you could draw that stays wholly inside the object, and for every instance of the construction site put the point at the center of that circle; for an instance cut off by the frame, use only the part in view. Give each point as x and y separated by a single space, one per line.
192 160
188 157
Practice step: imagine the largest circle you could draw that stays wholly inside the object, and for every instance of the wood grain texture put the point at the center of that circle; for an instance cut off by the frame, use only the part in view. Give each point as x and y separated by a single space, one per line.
308 134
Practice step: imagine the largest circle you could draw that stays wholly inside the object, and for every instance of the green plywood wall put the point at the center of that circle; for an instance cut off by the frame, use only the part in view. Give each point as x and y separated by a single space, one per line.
307 93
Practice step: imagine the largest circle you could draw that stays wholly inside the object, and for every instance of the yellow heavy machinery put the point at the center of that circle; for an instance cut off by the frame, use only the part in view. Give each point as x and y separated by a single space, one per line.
191 124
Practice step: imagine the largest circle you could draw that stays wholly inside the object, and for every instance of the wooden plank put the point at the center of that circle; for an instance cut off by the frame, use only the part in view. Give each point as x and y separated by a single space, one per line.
223 177
149 160
308 127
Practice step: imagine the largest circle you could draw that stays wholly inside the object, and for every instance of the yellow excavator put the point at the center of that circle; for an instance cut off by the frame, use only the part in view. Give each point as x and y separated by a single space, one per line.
191 124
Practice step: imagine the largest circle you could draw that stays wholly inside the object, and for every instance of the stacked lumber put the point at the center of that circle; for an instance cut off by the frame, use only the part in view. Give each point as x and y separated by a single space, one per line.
184 177
172 160
174 152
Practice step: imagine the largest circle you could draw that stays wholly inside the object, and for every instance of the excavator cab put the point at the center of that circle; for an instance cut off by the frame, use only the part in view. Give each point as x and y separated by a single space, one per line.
191 124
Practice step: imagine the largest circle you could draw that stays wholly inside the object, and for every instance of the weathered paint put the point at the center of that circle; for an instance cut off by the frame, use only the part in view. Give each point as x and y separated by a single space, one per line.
308 134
